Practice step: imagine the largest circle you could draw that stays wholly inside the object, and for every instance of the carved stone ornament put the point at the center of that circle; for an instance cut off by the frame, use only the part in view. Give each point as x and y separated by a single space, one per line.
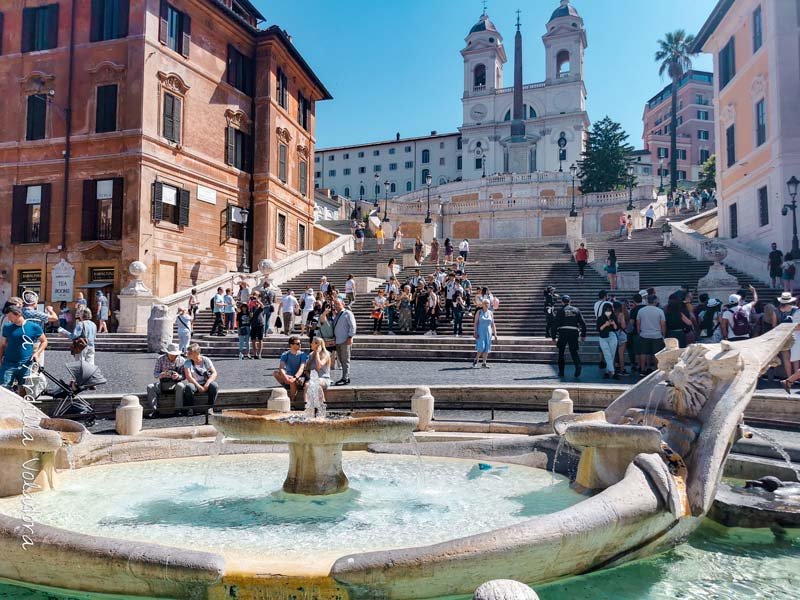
236 118
758 87
283 134
36 82
728 114
302 150
689 382
107 72
173 82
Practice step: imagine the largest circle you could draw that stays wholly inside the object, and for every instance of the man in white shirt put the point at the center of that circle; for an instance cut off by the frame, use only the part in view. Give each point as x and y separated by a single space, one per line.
602 299
306 305
463 249
416 279
450 288
735 321
392 286
651 326
350 291
324 285
288 307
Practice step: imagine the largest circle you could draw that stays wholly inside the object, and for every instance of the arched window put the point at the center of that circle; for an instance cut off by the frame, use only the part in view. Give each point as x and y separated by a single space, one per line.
409 185
479 77
525 110
531 113
562 63
361 191
458 142
333 192
392 188
425 173
347 192
426 156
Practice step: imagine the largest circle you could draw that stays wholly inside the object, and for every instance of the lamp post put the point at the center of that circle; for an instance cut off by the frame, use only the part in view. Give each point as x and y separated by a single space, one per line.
377 186
630 187
573 169
661 173
483 163
428 181
792 185
386 201
360 192
243 214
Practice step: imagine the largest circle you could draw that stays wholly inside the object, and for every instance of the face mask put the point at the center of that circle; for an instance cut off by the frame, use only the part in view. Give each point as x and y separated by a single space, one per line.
608 313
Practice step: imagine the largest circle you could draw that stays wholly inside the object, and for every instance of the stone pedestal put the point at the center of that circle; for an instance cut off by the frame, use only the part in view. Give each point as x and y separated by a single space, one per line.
365 285
315 470
279 400
381 270
559 404
574 231
504 589
428 232
135 302
128 418
422 405
408 260
159 329
718 283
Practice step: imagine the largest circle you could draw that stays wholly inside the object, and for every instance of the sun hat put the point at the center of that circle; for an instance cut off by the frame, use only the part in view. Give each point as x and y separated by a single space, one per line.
713 302
173 349
787 298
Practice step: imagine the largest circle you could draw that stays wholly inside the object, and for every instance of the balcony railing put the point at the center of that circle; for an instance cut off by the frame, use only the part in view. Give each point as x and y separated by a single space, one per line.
104 229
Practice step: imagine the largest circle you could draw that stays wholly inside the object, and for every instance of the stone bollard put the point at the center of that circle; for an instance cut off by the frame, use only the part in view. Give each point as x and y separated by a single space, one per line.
560 404
159 329
128 419
504 589
671 344
422 405
279 400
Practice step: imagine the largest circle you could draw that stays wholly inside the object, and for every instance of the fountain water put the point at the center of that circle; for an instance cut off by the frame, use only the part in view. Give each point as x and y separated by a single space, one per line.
775 446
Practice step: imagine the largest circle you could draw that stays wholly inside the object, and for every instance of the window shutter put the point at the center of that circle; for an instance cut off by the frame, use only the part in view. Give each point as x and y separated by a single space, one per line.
96 27
247 151
124 11
28 28
1 33
229 221
52 26
187 34
19 214
89 216
162 23
44 222
169 120
176 120
183 207
116 208
158 206
230 148
230 76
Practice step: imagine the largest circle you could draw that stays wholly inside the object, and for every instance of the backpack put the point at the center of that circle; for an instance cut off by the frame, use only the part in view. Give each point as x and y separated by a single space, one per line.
707 321
211 303
741 324
791 270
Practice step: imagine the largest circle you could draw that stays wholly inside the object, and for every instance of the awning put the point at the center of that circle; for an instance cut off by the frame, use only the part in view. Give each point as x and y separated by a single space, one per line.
96 284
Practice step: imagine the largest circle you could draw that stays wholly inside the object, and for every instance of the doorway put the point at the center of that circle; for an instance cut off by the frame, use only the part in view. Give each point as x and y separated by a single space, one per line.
167 278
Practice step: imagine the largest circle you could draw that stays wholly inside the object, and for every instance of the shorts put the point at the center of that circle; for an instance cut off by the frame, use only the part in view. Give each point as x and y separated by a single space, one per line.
13 373
775 272
611 270
256 333
649 346
622 337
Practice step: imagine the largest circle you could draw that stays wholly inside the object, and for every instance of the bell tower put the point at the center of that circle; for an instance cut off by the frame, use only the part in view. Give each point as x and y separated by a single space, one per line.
484 57
564 44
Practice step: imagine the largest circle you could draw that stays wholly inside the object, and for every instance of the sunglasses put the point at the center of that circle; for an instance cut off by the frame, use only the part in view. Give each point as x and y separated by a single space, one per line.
295 344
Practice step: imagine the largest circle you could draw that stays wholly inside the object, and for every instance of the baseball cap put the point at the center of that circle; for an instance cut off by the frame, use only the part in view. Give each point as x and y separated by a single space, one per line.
713 302
734 299
565 298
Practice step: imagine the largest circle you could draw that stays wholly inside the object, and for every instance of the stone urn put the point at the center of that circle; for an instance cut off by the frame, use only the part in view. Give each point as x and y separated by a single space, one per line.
715 252
717 283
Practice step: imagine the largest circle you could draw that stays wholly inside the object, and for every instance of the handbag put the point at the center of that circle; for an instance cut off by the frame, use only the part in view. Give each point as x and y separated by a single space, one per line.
168 385
79 344
377 314
278 322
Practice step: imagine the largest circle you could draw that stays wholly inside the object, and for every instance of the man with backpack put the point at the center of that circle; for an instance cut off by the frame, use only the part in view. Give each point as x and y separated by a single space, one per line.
735 321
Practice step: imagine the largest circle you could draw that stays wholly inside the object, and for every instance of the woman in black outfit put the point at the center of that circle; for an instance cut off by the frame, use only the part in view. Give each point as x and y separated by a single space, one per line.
677 319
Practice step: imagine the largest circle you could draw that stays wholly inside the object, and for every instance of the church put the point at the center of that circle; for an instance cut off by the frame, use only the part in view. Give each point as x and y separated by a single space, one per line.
522 129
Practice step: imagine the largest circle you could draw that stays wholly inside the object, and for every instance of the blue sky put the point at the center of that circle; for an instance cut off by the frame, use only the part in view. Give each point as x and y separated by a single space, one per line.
394 65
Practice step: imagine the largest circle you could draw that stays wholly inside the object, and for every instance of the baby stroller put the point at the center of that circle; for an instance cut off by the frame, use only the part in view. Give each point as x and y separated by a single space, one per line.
72 405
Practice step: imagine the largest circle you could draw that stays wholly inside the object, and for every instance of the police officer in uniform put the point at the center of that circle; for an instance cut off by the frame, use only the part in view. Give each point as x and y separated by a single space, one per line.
569 325
550 298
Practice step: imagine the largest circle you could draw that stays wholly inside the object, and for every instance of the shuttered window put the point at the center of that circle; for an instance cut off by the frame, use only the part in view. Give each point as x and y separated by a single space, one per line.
109 20
237 149
36 117
727 62
172 117
281 229
175 28
106 113
282 157
170 204
102 209
240 71
1 33
733 220
303 111
302 178
730 145
30 214
40 28
301 237
234 220
763 206
282 89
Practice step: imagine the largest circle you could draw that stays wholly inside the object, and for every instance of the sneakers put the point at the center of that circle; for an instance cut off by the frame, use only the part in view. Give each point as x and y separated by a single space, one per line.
485 366
605 375
474 364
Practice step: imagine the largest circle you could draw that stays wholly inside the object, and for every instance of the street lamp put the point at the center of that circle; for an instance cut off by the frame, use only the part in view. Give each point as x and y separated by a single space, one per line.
661 173
792 185
243 214
573 169
483 163
428 180
386 202
630 187
377 187
360 192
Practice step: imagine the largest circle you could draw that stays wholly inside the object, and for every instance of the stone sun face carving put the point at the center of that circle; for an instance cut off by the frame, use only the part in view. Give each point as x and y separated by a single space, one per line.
689 382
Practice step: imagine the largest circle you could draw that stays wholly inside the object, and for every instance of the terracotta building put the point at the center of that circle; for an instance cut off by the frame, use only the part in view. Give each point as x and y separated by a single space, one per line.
138 130
756 49
695 126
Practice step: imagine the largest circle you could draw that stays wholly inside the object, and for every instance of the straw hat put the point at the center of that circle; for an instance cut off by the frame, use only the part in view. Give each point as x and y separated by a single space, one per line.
787 298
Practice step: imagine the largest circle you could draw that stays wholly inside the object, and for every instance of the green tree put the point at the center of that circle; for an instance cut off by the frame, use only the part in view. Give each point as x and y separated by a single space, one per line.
605 161
674 53
708 174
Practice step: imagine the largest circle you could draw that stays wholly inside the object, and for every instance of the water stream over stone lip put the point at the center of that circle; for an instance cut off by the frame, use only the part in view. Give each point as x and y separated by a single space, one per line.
240 511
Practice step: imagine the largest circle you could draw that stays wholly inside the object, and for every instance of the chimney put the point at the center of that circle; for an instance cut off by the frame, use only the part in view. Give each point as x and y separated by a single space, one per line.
398 136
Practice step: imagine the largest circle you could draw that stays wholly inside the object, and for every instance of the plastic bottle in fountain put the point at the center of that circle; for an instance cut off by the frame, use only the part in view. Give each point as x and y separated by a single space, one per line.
315 398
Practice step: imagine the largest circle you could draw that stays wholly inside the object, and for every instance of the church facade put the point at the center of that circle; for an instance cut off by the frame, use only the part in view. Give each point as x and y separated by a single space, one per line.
525 128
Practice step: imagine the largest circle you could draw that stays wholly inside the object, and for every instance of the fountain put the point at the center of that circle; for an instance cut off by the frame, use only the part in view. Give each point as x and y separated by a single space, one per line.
650 466
315 440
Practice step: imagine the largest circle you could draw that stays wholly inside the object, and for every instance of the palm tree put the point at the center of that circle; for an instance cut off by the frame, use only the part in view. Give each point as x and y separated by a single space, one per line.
674 53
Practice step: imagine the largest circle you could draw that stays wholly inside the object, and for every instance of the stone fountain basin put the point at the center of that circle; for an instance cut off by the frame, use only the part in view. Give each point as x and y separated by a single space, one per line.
294 428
